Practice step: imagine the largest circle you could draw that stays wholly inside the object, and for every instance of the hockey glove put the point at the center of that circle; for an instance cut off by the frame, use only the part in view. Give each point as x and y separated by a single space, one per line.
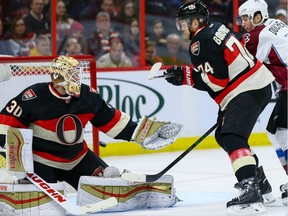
153 134
179 75
175 75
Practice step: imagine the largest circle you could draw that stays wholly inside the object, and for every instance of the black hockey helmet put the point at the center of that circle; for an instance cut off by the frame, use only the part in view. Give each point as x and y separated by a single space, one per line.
196 9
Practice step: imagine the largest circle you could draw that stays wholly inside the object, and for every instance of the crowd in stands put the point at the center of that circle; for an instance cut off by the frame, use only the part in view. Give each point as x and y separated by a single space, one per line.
109 30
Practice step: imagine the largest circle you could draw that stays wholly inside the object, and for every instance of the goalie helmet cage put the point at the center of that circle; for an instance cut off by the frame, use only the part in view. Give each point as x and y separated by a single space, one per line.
26 71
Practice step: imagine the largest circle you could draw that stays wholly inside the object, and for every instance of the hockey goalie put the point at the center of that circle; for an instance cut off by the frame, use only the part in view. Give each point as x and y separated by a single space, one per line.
57 113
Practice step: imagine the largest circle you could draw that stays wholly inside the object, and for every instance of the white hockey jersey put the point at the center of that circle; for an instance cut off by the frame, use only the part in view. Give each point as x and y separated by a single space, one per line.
269 43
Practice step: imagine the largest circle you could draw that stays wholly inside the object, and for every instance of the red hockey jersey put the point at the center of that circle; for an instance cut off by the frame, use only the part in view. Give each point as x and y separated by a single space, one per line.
223 66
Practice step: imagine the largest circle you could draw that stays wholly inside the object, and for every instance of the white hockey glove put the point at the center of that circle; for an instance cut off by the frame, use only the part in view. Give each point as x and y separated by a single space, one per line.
152 134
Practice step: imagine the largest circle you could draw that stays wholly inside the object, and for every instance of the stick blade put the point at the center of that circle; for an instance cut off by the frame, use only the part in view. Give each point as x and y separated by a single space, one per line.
134 177
155 68
99 206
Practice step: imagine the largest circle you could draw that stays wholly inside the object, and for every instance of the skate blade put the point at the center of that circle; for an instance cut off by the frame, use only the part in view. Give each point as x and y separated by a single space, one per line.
268 198
245 209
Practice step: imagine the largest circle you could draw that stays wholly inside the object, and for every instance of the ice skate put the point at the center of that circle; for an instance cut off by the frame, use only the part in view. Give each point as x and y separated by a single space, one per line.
284 195
264 185
250 200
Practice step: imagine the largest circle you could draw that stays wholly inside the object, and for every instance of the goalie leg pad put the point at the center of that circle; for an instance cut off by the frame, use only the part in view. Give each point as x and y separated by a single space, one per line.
130 196
19 162
26 199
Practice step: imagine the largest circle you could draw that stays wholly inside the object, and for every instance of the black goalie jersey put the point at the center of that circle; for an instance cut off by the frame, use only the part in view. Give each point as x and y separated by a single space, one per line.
58 122
223 66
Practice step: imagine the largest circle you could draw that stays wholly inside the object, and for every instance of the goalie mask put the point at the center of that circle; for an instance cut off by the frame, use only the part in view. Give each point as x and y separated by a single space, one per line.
196 9
66 71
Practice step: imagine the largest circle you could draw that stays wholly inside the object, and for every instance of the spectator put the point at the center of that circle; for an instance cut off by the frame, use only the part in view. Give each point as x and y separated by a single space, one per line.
108 6
17 8
5 48
43 46
64 22
173 54
35 20
98 43
150 53
20 40
117 6
272 7
115 58
281 14
2 34
217 12
185 43
131 38
158 7
282 4
82 10
72 47
128 11
230 13
14 8
77 31
46 8
158 34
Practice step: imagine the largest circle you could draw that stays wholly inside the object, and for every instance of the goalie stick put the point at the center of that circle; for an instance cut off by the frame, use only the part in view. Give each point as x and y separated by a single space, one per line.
19 157
134 177
154 69
64 202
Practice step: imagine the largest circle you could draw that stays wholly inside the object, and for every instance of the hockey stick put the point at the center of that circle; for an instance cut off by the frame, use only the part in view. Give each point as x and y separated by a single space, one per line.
19 164
154 69
134 177
64 202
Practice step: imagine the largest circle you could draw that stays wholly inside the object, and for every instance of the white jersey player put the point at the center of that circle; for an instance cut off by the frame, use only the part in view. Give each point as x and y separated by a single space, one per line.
267 39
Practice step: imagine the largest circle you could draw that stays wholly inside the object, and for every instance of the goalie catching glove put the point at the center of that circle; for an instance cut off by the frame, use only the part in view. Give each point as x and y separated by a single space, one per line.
178 75
152 134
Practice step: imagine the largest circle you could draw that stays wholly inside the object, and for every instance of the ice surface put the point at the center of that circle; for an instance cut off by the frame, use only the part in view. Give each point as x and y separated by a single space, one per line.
204 180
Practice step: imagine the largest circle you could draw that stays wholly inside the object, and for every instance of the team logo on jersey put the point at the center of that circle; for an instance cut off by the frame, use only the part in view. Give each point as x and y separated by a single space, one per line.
195 48
29 95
